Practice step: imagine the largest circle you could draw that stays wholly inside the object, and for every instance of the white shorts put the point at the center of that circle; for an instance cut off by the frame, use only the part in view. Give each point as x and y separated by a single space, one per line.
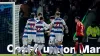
58 37
51 40
25 40
31 37
40 39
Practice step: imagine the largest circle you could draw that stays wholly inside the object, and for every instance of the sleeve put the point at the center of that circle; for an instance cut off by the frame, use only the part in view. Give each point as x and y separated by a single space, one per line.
46 26
52 22
27 24
82 27
63 22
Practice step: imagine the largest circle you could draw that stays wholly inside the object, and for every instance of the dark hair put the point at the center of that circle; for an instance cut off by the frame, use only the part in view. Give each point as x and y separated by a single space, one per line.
77 17
41 18
39 14
57 13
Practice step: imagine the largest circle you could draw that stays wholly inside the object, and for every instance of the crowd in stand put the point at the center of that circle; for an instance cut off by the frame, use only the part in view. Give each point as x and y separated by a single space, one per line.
68 9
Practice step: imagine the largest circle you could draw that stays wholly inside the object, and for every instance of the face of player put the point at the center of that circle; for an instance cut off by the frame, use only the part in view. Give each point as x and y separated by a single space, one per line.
39 17
43 19
76 20
51 20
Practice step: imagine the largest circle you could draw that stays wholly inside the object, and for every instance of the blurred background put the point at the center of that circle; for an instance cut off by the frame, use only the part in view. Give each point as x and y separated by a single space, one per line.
87 10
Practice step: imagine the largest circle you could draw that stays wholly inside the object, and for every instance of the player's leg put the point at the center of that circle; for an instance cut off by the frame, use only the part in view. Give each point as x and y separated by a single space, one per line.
25 40
55 50
40 45
76 47
33 38
51 45
60 45
56 45
50 49
81 45
34 48
59 40
61 50
36 43
36 40
30 38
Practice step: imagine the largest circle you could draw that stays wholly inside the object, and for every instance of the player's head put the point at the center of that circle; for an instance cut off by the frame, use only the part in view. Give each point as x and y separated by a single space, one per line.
57 14
77 18
41 18
52 18
39 15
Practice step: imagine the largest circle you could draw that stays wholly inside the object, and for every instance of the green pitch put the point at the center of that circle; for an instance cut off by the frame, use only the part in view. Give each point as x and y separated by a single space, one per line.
45 55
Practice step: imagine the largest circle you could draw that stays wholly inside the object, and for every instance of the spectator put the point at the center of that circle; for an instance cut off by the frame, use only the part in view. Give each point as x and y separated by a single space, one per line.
24 16
46 14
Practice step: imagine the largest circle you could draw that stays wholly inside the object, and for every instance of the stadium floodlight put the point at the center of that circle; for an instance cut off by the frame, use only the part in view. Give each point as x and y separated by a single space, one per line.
6 5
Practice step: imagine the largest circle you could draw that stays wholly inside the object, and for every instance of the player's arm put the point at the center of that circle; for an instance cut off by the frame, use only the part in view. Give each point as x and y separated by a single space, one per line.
50 28
51 25
82 27
65 26
46 26
27 24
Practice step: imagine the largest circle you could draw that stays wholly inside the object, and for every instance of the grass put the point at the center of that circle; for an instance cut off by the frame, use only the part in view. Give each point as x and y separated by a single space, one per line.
45 55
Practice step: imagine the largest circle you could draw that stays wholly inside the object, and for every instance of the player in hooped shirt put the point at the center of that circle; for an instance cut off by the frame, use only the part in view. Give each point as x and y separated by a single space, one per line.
59 25
41 26
29 34
36 43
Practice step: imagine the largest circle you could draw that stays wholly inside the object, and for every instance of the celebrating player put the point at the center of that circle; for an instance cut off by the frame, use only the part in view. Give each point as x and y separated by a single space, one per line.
41 26
36 43
30 32
79 35
29 35
59 25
